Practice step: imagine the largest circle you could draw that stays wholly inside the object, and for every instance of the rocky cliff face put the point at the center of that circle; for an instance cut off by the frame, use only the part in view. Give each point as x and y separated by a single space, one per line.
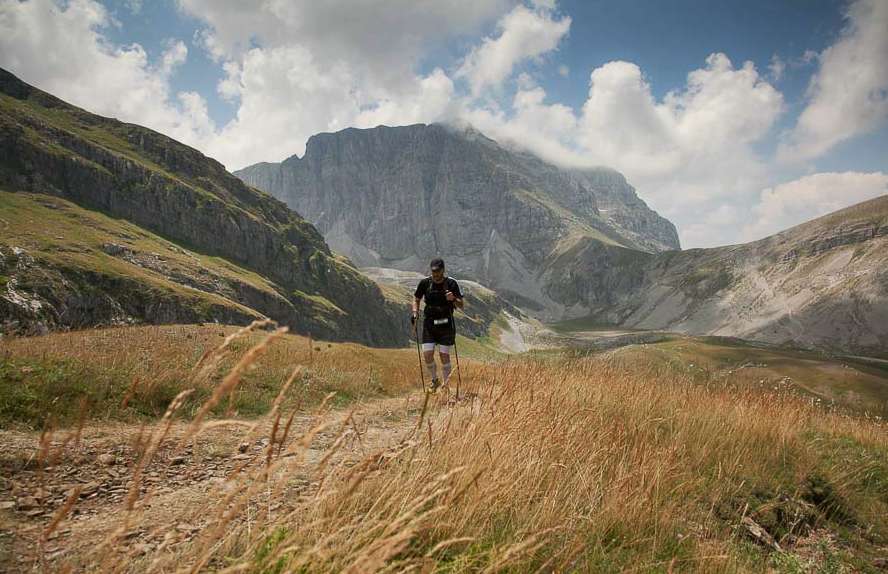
173 191
623 209
396 197
822 284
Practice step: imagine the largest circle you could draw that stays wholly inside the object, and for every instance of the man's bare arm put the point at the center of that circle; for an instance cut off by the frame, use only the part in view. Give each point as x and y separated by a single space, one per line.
457 301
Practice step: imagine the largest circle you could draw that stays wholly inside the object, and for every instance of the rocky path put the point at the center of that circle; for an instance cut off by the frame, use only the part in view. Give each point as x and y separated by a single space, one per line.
179 485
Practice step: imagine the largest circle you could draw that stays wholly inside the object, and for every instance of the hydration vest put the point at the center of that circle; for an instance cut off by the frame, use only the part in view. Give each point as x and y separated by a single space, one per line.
436 304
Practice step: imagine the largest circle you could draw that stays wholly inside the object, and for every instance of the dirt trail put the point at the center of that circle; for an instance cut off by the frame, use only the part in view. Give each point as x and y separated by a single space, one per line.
179 485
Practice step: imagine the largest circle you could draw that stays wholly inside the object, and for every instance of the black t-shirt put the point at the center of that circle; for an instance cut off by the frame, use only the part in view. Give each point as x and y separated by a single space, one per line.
436 303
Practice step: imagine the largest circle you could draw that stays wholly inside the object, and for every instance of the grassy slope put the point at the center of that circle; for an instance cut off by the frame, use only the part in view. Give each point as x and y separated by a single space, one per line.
597 463
845 383
110 135
798 262
175 191
66 235
207 178
48 376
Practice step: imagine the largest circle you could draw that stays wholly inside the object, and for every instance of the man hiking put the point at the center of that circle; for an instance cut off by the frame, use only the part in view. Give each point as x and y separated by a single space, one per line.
441 295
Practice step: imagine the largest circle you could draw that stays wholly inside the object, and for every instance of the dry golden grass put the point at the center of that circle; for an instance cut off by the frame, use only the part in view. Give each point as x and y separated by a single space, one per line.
592 466
127 372
549 464
842 382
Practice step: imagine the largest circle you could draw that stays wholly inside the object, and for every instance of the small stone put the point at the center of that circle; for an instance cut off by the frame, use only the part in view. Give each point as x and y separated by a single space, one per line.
244 446
7 505
89 488
26 503
107 459
177 460
759 533
113 249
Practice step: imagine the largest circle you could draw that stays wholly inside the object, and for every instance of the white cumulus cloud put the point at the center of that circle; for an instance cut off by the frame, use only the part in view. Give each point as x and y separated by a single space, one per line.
848 95
285 97
523 33
61 49
431 96
380 41
695 143
794 202
292 69
296 69
174 55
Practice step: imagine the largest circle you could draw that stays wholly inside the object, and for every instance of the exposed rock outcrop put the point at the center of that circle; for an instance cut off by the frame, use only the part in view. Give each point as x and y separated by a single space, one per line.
38 296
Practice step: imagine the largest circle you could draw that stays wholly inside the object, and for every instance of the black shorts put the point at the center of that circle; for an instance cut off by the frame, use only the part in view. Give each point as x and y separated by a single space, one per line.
442 334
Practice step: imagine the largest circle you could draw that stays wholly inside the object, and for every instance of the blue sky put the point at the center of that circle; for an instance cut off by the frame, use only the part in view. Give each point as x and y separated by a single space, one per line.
733 119
154 23
668 39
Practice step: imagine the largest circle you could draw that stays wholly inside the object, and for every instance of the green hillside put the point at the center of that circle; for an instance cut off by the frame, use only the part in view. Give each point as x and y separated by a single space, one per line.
265 256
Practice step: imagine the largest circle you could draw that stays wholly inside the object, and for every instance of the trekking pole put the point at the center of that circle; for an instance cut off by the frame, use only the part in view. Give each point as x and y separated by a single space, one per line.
419 356
456 354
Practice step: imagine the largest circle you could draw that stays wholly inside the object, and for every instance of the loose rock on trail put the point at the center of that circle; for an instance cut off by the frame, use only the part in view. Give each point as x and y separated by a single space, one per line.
179 488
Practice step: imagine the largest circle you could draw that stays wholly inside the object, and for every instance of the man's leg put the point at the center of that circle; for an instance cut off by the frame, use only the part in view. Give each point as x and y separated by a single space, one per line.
446 367
428 353
448 341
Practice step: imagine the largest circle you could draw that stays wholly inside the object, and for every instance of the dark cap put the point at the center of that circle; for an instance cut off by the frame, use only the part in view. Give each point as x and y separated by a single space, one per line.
436 264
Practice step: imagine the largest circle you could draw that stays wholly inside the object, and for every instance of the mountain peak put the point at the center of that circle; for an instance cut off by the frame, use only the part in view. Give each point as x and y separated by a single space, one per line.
397 196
